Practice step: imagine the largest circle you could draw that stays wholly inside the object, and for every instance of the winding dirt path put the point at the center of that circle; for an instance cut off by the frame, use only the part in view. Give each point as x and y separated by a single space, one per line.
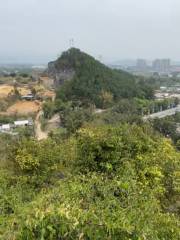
40 135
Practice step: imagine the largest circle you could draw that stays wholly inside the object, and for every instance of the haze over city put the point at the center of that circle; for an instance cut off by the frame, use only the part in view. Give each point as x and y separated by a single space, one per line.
39 30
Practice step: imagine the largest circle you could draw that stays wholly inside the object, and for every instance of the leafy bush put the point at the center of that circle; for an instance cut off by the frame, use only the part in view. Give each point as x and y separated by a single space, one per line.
94 207
117 183
36 158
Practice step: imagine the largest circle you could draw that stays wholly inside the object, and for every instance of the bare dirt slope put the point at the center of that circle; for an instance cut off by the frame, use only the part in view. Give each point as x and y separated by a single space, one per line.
24 107
5 90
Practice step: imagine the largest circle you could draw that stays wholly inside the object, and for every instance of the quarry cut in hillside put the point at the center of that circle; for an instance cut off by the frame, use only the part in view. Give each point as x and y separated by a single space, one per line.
59 75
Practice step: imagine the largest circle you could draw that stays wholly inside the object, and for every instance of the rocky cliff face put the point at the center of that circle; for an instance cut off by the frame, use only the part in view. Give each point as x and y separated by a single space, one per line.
60 75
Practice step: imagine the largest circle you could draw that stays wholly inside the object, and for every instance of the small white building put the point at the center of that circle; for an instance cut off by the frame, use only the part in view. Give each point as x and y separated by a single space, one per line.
23 123
27 97
6 127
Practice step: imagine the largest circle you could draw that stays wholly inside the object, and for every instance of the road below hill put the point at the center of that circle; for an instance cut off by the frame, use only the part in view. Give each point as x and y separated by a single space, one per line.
163 114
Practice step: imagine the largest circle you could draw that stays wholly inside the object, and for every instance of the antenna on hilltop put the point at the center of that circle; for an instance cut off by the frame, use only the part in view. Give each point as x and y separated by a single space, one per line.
71 42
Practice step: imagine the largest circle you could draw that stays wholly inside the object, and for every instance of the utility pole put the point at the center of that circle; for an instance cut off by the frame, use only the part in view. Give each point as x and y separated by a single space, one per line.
71 42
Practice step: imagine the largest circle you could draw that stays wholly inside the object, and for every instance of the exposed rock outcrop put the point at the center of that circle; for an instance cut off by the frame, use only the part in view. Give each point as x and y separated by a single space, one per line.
60 75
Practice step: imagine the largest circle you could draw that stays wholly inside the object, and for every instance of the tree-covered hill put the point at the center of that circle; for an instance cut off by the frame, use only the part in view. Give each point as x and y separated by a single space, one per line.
89 80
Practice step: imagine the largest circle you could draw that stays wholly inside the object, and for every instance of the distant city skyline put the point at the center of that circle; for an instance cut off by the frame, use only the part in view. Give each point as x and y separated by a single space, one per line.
45 60
39 30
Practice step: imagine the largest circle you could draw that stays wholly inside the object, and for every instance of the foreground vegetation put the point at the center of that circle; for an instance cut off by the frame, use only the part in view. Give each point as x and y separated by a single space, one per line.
100 176
102 183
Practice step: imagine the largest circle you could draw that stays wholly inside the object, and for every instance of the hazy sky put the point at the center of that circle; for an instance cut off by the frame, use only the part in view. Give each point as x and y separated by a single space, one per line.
39 30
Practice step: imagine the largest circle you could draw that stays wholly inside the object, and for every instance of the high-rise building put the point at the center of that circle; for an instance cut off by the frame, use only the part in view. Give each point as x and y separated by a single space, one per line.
161 65
141 64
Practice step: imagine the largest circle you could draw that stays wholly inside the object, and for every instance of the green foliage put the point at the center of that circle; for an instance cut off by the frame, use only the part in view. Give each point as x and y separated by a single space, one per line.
93 206
36 158
151 106
92 78
3 105
177 117
48 109
115 182
105 182
72 114
106 149
6 119
165 126
74 119
125 111
106 99
24 75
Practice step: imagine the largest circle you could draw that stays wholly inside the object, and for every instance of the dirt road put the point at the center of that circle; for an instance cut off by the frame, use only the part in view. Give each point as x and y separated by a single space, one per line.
40 135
